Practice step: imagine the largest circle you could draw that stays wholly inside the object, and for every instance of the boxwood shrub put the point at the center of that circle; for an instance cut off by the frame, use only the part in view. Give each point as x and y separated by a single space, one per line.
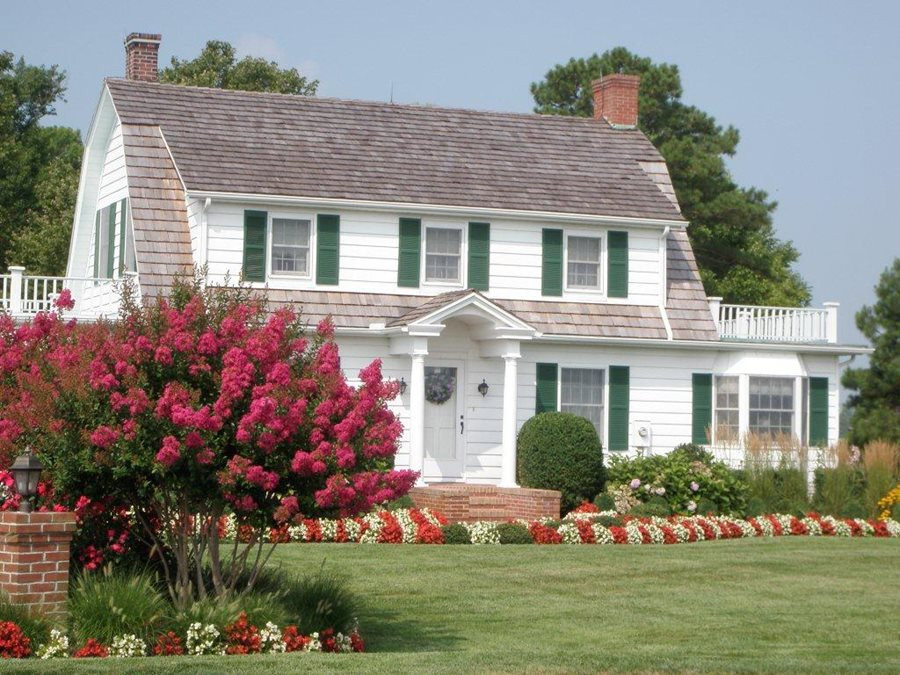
456 533
514 533
561 451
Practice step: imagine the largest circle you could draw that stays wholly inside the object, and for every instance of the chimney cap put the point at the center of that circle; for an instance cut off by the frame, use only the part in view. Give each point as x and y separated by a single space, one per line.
143 37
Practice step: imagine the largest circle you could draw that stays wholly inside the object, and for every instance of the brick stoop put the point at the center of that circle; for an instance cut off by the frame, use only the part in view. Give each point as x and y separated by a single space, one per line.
467 503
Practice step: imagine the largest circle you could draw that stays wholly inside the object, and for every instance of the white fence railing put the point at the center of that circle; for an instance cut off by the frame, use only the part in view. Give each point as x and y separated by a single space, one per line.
775 324
23 296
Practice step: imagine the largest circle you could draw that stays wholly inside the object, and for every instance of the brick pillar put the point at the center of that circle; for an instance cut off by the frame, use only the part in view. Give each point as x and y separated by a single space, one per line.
34 559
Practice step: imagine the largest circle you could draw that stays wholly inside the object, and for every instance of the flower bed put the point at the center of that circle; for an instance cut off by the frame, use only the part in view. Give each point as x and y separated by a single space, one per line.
422 526
239 637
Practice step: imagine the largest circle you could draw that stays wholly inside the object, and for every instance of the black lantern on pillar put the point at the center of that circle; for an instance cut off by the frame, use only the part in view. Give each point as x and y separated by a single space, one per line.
483 387
26 471
402 386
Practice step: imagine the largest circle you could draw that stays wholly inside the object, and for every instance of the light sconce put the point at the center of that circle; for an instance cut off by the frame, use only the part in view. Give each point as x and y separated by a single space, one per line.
483 387
402 386
26 471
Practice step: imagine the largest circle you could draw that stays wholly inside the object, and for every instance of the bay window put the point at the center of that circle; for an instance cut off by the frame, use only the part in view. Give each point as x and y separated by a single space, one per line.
772 406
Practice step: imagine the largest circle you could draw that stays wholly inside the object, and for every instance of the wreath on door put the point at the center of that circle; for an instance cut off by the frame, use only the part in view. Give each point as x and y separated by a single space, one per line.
440 383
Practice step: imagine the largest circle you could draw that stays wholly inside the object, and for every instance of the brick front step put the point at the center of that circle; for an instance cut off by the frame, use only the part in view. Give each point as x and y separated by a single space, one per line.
467 503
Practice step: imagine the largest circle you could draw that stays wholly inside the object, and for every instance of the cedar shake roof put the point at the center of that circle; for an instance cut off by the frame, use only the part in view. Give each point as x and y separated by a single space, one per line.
359 310
275 144
686 303
162 243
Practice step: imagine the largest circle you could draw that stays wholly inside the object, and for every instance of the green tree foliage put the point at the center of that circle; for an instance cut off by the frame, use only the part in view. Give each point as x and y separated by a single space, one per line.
876 406
731 231
217 66
38 168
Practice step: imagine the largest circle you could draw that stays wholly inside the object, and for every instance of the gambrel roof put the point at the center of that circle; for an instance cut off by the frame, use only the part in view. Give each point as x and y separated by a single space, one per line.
274 144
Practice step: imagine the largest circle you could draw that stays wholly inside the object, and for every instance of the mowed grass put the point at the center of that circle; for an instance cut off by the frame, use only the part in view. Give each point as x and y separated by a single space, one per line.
786 604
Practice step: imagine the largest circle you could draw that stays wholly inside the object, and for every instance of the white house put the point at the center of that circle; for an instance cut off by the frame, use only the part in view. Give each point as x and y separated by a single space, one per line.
499 264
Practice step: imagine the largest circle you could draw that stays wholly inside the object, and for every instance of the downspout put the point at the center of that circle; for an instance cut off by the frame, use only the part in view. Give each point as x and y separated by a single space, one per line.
663 253
203 244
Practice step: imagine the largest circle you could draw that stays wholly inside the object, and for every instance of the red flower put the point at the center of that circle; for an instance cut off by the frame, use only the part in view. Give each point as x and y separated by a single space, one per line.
585 531
293 640
356 642
391 532
168 644
586 507
92 649
619 535
13 642
543 534
242 636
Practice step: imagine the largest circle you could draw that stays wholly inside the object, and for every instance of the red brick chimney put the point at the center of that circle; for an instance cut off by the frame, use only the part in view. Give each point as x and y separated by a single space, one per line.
616 99
141 56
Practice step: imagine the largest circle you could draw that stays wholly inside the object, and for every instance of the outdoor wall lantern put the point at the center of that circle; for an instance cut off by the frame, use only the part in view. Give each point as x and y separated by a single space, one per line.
402 386
26 471
483 387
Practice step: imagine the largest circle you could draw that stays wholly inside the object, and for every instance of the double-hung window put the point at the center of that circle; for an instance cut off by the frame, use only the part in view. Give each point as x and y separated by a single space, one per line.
290 246
443 254
581 393
583 266
772 406
726 423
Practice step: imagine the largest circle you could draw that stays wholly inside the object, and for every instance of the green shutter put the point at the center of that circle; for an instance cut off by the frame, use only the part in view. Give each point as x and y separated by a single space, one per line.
617 265
546 391
97 245
254 267
818 411
551 269
410 252
328 246
619 379
110 242
701 420
123 210
479 255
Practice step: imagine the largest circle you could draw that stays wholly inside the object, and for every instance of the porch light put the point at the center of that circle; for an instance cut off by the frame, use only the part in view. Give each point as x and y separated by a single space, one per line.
26 471
402 386
483 387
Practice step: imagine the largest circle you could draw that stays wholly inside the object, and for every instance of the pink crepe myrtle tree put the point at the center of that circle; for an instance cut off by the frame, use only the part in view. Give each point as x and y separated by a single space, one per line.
194 406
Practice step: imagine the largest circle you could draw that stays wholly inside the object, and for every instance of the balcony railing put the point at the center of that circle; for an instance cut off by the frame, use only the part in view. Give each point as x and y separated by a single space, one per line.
24 296
776 324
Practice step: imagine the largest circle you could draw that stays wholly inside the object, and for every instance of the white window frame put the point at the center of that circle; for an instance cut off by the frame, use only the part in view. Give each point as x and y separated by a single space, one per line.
715 407
793 409
601 234
581 365
463 255
270 243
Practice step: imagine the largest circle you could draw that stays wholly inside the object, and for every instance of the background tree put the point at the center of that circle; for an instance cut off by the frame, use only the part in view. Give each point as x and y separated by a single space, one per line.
38 168
217 66
876 406
731 231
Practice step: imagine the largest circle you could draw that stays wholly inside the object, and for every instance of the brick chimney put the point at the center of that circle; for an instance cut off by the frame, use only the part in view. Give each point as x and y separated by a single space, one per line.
141 56
616 99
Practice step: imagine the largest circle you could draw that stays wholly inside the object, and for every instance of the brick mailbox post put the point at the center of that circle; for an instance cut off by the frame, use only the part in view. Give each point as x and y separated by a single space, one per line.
34 559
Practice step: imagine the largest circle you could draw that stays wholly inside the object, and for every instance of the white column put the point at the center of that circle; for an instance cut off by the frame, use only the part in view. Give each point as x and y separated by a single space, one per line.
417 415
510 398
743 406
831 322
16 273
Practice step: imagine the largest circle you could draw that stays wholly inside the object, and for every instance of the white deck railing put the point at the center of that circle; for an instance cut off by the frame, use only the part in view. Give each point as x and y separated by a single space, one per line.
24 296
775 324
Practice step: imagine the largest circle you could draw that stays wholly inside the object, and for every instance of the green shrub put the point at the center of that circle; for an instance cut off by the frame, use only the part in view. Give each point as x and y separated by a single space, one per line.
404 502
605 502
707 507
456 533
318 601
514 533
609 521
673 477
895 512
854 509
755 507
35 626
882 462
837 487
110 602
561 451
651 509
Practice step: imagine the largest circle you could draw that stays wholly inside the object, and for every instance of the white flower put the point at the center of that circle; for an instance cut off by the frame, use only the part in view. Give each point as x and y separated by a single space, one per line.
660 491
483 532
270 639
56 648
692 506
204 640
126 646
569 532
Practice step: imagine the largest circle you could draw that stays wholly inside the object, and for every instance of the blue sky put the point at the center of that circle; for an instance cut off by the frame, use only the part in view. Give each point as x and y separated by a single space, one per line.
812 86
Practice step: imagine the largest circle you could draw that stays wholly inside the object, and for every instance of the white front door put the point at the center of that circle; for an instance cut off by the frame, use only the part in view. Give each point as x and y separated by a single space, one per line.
445 439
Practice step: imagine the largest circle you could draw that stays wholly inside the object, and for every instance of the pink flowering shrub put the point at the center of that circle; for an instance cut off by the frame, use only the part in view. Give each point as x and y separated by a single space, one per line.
198 405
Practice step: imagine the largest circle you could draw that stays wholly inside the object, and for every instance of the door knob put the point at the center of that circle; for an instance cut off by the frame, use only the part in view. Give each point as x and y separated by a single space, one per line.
462 425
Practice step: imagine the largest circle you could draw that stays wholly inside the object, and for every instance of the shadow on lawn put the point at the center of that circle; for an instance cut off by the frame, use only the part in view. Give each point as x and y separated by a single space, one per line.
386 630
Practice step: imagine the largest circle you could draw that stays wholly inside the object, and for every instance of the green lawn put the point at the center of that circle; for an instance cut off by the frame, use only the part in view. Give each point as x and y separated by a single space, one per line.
762 604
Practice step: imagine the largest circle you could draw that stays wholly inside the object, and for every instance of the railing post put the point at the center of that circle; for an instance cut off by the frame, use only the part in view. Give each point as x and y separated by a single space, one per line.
16 273
831 321
714 305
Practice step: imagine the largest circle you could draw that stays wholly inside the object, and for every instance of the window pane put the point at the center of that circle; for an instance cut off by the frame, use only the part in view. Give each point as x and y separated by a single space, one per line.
290 246
584 262
581 393
442 254
726 424
772 406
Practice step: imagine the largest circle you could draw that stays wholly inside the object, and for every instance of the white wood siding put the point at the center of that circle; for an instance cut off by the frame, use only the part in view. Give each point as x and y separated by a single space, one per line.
194 209
369 252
